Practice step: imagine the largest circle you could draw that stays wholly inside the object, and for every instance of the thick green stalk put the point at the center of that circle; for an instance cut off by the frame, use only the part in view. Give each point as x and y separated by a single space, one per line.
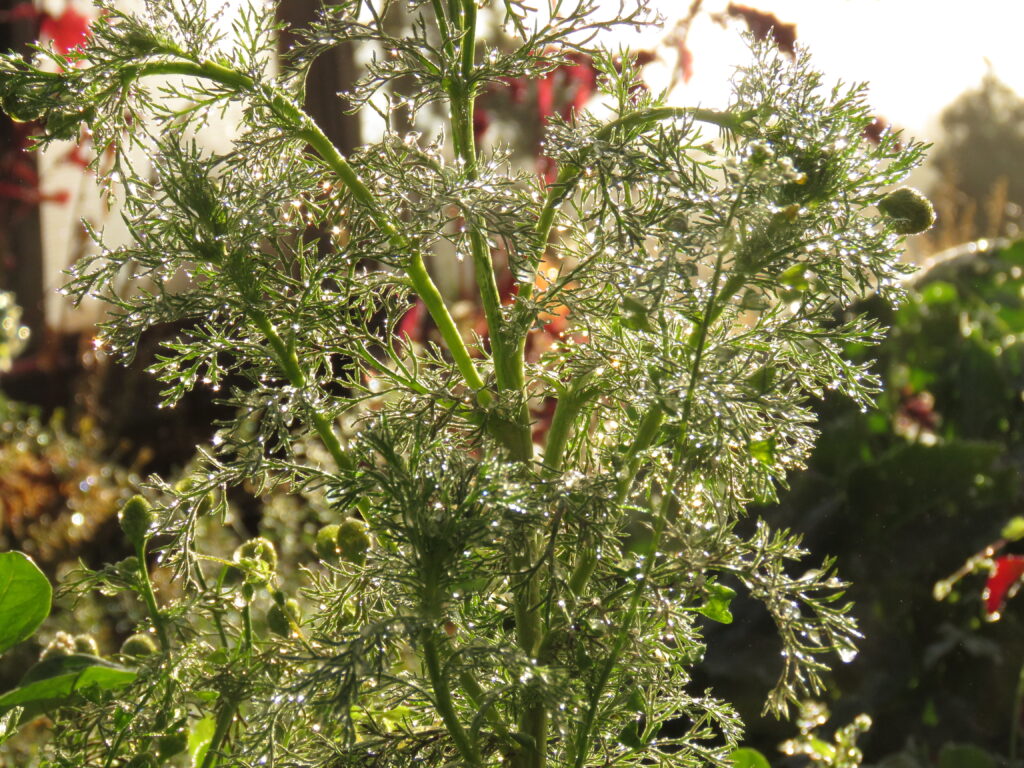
562 422
509 370
443 700
225 717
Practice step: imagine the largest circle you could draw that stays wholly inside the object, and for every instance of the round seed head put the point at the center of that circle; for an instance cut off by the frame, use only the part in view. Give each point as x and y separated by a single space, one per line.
353 540
138 646
910 211
137 517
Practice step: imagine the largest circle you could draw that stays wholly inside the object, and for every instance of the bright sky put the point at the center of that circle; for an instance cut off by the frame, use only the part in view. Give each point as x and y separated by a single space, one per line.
917 55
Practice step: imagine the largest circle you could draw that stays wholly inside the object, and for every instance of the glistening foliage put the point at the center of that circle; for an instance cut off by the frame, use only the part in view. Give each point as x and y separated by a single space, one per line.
489 595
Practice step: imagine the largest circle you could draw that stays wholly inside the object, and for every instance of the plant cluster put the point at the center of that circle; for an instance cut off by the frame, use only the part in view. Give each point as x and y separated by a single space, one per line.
479 596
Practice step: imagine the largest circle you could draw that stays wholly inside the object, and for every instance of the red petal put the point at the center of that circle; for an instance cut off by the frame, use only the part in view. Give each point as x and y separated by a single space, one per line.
546 96
409 325
68 31
1009 570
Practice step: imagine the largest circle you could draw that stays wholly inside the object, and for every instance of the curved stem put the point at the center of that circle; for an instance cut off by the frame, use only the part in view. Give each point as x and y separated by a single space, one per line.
289 363
149 598
562 422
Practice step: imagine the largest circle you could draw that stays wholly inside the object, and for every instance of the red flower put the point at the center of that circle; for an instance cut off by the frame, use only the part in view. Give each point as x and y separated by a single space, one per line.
1003 582
67 31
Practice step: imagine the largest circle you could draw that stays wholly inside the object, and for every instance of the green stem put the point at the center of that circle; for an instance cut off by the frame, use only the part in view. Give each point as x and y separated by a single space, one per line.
247 629
443 700
649 426
149 598
431 297
646 432
307 129
562 422
1018 703
478 698
288 361
225 717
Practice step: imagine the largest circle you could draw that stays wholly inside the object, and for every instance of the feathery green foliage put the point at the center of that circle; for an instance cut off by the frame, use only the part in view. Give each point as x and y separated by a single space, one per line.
500 602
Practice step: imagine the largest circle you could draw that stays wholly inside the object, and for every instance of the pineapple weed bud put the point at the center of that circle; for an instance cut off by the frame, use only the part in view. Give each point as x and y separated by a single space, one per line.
353 540
327 543
258 559
137 517
481 521
910 212
138 646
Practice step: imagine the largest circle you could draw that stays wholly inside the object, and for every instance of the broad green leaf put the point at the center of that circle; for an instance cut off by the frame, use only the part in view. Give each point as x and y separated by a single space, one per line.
745 757
25 596
199 739
52 682
716 605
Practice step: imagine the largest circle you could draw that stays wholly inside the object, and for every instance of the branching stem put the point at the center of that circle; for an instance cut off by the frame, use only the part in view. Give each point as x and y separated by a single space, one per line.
307 129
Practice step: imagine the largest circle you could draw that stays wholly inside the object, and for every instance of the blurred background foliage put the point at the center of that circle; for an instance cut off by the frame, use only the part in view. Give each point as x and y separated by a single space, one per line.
903 495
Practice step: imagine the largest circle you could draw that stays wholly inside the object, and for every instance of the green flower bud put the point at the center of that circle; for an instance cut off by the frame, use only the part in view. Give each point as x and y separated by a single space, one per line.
62 644
327 543
128 568
910 211
258 558
138 646
353 540
137 517
280 618
86 644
